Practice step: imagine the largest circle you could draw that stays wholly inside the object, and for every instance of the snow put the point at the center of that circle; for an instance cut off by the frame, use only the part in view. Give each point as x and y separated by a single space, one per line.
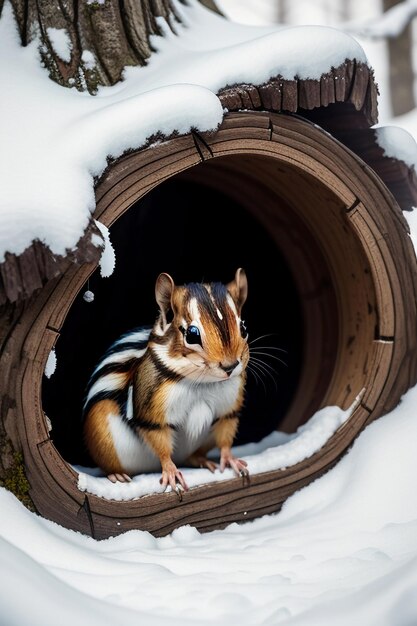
411 217
250 11
50 366
276 451
108 257
88 59
61 43
408 122
61 139
343 550
398 144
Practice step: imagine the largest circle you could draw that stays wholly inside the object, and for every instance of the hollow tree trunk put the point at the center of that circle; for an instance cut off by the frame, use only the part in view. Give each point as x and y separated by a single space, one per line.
103 36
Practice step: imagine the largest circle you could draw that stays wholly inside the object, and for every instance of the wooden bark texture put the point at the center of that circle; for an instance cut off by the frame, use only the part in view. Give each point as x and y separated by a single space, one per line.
24 274
400 178
350 84
116 33
366 253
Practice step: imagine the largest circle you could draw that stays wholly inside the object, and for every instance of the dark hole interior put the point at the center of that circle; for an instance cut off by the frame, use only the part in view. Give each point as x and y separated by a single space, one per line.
194 233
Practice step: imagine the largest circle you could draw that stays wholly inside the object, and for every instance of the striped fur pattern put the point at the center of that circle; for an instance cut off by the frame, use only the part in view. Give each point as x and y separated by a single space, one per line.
161 396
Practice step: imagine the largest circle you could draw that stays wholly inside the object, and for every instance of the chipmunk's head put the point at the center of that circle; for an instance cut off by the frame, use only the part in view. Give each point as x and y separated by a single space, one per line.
200 333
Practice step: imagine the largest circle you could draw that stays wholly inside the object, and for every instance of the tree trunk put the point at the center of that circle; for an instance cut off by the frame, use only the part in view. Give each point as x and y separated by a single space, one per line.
401 75
281 16
12 472
103 36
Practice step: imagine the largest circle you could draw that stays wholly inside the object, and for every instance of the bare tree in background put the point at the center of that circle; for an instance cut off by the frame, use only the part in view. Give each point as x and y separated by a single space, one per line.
344 10
401 73
394 25
281 12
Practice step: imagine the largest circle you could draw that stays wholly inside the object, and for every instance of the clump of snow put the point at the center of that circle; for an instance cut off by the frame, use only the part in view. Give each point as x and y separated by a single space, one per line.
342 551
50 366
397 143
411 217
108 257
61 139
88 296
263 457
61 43
88 59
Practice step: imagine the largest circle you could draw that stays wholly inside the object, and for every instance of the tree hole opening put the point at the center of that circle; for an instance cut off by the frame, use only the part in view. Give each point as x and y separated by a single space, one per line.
195 233
290 234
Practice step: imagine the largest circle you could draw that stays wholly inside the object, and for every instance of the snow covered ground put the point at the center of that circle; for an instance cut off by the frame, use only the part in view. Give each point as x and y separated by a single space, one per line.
342 551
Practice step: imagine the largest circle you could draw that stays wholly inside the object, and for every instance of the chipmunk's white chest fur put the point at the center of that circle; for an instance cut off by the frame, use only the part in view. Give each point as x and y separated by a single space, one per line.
194 407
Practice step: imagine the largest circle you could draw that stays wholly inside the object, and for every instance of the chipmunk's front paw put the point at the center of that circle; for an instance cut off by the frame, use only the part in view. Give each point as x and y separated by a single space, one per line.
172 476
239 466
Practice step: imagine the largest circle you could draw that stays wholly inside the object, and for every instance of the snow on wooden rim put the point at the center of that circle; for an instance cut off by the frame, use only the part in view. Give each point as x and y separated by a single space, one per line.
276 452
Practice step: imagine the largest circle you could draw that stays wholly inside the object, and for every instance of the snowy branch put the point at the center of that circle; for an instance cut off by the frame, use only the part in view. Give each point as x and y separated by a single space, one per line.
389 25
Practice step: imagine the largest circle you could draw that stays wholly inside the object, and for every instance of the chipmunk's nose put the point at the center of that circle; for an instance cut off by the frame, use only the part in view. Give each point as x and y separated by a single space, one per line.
229 368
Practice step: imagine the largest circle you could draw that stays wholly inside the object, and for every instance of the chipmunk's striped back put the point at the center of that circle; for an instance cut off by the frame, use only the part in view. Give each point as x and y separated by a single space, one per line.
111 379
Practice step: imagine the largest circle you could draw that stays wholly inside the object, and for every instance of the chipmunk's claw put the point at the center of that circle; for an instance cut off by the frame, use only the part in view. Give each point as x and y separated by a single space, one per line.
121 478
244 474
239 466
173 477
179 490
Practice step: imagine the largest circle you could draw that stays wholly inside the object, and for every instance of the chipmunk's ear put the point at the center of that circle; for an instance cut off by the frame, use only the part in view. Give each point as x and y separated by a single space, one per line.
164 288
238 288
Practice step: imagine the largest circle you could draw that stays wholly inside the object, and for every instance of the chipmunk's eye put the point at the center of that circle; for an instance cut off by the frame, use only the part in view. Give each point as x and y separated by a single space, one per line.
243 329
193 335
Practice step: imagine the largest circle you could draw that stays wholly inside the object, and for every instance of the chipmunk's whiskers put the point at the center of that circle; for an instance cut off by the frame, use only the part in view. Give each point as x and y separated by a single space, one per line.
263 337
265 368
258 355
252 368
271 356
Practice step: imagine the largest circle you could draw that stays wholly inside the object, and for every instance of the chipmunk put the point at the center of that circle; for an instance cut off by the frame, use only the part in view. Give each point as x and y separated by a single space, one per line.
166 395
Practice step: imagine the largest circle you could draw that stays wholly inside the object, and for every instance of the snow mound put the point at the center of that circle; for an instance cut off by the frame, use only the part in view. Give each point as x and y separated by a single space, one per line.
342 551
61 139
397 143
